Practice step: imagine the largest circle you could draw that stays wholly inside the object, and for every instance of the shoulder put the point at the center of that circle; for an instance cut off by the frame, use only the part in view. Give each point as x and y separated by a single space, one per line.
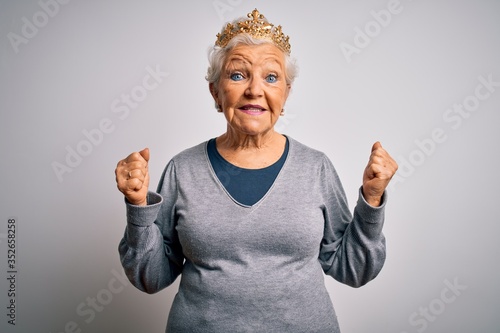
316 162
190 155
189 160
186 164
304 153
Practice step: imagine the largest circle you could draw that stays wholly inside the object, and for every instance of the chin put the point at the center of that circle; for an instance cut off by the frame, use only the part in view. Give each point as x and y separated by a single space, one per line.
252 129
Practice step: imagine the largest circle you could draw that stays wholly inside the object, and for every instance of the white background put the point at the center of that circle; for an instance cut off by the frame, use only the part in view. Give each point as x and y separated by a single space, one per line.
441 221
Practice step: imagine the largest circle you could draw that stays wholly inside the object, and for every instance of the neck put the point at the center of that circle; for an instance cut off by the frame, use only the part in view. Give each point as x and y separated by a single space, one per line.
241 141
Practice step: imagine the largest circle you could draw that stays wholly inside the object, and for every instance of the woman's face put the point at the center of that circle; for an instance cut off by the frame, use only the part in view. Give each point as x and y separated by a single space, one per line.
252 89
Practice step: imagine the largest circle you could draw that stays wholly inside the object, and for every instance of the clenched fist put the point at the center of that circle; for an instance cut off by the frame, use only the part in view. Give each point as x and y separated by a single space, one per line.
132 177
379 171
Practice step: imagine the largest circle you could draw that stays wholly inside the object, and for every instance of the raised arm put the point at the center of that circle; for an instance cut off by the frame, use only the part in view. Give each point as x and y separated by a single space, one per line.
149 250
353 247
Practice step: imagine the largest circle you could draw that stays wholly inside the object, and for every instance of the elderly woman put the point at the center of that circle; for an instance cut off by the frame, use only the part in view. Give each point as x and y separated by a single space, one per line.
251 219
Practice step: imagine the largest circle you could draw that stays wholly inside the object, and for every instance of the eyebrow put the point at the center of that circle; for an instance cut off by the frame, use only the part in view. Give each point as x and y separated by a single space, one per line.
272 66
240 57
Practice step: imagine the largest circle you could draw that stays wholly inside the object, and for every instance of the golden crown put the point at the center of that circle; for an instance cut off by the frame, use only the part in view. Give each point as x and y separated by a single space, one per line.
257 27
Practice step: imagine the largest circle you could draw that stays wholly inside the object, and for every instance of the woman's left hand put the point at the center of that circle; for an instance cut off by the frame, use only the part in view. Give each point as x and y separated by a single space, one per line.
378 173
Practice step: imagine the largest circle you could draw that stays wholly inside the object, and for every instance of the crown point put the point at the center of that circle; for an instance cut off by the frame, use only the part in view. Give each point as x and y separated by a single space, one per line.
257 27
255 15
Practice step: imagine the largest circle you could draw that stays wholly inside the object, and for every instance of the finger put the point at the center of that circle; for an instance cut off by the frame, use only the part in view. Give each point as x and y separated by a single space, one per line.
134 184
376 146
378 160
120 163
123 184
374 170
383 161
145 154
381 171
135 156
383 158
124 175
136 174
121 175
136 165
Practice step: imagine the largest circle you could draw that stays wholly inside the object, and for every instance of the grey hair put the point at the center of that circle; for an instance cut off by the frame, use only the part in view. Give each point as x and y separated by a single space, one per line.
217 56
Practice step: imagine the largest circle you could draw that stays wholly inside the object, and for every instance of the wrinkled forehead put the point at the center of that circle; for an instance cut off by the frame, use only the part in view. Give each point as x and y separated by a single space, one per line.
255 55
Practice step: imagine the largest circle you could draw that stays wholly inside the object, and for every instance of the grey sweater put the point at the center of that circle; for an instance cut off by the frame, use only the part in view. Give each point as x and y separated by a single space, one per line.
253 268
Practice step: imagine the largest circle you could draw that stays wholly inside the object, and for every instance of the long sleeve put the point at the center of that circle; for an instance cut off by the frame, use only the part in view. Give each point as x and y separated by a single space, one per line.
256 268
353 246
150 252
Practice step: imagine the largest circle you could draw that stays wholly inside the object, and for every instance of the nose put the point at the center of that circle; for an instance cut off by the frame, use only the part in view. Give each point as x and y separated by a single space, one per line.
254 88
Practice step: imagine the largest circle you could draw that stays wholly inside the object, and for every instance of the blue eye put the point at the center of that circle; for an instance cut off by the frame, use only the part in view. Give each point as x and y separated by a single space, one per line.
236 77
271 78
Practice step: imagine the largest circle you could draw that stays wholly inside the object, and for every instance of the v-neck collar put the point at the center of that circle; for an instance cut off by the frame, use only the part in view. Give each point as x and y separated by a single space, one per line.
268 192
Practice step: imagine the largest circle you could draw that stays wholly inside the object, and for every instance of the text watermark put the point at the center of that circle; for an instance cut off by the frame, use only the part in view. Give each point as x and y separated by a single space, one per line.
425 315
453 117
223 6
88 309
363 36
31 26
121 107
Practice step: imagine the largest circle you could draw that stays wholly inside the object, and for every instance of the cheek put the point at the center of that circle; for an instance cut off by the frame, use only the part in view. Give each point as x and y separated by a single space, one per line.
279 98
229 96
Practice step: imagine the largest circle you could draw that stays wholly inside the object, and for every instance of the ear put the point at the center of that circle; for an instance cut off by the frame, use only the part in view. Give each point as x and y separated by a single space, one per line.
287 92
214 92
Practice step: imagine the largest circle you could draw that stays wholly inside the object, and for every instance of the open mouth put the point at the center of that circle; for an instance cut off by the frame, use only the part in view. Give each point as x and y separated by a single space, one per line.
252 109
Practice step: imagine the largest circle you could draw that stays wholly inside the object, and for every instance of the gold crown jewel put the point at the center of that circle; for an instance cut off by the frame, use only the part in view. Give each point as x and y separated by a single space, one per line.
257 27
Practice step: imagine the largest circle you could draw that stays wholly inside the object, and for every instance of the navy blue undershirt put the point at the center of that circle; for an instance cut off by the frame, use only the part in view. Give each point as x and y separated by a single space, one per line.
247 186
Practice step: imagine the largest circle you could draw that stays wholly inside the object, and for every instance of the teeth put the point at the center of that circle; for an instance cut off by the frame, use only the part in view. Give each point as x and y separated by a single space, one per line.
253 109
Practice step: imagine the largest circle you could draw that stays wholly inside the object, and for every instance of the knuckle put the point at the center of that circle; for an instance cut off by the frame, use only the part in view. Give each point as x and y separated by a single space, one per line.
133 183
135 165
130 158
135 156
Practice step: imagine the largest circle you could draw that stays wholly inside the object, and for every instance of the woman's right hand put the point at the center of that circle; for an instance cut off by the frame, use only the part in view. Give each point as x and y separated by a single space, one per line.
132 177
